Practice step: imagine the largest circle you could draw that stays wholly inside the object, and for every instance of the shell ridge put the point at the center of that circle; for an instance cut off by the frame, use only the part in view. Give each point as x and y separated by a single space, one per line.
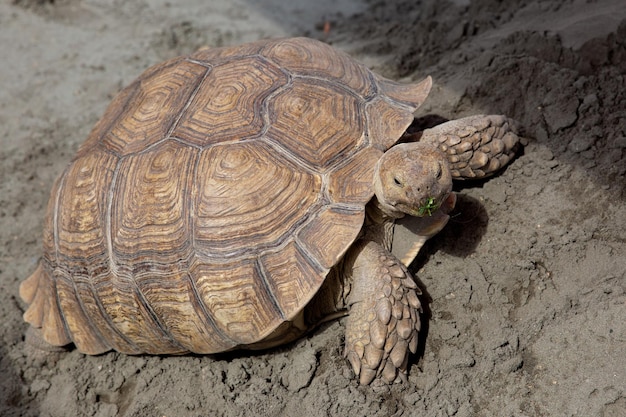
113 270
204 310
338 84
367 131
265 114
206 314
108 320
290 156
192 201
193 94
55 215
55 226
227 60
312 262
343 155
108 223
132 91
183 142
374 85
92 327
301 247
43 311
268 61
260 269
396 91
156 319
399 104
205 64
58 308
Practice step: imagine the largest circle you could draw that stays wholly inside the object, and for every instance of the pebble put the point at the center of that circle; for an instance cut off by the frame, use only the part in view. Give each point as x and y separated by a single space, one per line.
562 114
298 375
581 143
620 142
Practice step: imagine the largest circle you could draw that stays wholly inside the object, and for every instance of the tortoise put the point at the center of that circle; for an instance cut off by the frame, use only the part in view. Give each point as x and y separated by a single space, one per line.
237 197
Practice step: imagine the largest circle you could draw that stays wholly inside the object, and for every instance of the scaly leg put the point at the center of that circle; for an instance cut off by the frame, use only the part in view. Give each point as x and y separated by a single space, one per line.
476 146
383 323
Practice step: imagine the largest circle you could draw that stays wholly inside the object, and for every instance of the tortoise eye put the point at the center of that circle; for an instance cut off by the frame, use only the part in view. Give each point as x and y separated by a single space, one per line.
439 171
397 181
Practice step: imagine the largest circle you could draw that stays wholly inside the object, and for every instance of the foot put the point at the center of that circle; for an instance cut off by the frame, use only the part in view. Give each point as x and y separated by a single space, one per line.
383 324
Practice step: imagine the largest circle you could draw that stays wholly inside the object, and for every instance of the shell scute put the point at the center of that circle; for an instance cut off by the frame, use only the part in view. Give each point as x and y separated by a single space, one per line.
229 104
149 214
78 220
249 197
292 277
154 107
127 318
316 121
236 295
351 183
306 57
329 234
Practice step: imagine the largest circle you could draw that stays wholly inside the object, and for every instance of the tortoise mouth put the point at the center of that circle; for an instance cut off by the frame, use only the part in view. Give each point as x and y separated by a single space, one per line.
430 205
427 207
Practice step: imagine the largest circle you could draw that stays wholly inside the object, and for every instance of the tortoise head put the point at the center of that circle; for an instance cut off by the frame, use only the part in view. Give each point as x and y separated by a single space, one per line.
412 178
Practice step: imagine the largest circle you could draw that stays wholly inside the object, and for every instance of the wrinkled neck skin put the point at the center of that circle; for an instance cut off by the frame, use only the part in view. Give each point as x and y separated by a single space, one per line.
379 224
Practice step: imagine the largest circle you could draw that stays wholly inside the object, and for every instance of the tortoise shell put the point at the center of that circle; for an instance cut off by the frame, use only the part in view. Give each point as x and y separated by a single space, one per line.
209 203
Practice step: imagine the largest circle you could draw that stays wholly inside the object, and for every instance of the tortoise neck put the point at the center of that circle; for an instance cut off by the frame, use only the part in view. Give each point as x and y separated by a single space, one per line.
378 225
375 213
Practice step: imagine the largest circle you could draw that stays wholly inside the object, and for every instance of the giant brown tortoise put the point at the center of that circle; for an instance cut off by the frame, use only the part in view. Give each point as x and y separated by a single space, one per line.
237 197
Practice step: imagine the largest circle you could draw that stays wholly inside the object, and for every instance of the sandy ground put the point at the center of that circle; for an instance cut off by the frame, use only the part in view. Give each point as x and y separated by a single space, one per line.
526 284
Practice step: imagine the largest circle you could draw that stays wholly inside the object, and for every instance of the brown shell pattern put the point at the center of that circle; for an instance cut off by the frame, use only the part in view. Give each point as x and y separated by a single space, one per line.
212 198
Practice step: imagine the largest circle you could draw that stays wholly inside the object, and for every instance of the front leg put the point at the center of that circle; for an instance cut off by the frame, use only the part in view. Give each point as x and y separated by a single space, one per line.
383 323
476 146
